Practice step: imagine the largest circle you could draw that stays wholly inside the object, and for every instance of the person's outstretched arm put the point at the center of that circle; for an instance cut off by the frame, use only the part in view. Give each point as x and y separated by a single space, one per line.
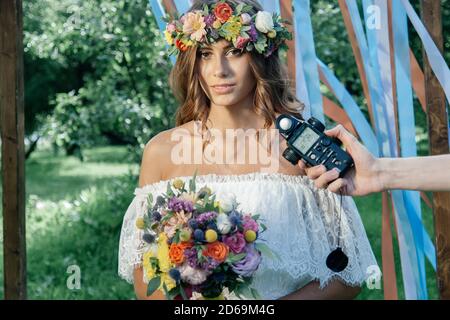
370 174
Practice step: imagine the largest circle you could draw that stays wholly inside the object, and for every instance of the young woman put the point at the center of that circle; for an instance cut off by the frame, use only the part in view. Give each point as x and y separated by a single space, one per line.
239 84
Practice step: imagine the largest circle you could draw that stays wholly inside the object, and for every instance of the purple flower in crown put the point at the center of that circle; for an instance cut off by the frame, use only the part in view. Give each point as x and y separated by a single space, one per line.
176 204
213 32
249 264
253 33
209 20
271 49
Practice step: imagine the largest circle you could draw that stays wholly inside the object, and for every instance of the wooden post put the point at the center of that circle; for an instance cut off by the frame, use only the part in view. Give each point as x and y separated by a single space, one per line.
12 137
438 141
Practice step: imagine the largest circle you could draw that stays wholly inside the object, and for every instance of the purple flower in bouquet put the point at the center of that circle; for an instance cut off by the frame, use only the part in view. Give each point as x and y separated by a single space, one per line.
209 264
206 217
177 204
191 257
249 223
248 265
236 242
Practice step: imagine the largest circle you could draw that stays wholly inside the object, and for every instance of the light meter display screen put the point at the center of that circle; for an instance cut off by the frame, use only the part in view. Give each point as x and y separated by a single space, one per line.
305 140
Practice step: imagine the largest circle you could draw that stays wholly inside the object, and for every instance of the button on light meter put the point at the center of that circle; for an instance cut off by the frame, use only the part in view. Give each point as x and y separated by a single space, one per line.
285 124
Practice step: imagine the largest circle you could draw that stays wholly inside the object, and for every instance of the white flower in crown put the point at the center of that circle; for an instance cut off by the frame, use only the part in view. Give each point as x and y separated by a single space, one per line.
264 21
228 202
246 18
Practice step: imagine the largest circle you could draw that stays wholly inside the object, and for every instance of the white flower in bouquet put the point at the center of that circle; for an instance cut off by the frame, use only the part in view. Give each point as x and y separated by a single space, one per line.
189 196
229 295
191 275
228 202
264 21
223 223
196 296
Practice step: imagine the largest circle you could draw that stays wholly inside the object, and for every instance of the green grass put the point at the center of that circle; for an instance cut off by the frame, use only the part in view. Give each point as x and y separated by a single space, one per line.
74 214
59 177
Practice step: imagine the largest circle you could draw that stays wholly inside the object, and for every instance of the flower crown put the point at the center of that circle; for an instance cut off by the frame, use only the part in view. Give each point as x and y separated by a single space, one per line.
264 32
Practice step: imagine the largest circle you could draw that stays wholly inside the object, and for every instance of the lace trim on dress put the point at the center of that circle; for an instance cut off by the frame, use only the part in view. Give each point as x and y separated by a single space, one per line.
303 229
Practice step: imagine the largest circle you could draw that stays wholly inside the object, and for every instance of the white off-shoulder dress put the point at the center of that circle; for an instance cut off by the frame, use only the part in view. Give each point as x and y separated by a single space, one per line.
302 222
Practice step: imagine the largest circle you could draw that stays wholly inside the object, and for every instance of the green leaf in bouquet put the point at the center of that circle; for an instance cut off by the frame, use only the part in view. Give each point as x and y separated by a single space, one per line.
167 217
153 285
183 293
169 190
176 237
192 182
200 256
232 258
245 291
209 207
150 199
263 226
255 217
173 292
166 292
154 226
255 294
242 291
265 250
154 262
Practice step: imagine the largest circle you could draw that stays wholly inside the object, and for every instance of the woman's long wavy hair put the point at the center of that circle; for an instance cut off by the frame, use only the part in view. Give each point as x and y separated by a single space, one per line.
273 93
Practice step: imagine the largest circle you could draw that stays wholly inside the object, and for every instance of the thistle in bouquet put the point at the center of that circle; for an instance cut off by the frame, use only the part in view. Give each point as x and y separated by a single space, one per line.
198 246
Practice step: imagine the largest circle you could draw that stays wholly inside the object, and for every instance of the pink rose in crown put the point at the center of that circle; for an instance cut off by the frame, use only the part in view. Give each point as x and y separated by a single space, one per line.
241 42
171 28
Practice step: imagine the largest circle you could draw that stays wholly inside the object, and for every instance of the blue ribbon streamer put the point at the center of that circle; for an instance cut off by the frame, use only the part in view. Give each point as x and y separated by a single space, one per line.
159 12
407 128
182 6
379 53
304 35
409 241
270 5
380 124
353 110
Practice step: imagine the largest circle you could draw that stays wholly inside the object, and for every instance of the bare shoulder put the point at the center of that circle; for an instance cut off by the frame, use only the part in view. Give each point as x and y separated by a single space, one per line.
162 142
158 149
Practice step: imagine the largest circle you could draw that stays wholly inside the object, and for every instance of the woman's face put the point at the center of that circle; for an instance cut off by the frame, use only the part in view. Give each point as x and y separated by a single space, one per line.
222 64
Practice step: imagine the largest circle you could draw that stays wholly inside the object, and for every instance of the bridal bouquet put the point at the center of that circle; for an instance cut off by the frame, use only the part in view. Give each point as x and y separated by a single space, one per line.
200 247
